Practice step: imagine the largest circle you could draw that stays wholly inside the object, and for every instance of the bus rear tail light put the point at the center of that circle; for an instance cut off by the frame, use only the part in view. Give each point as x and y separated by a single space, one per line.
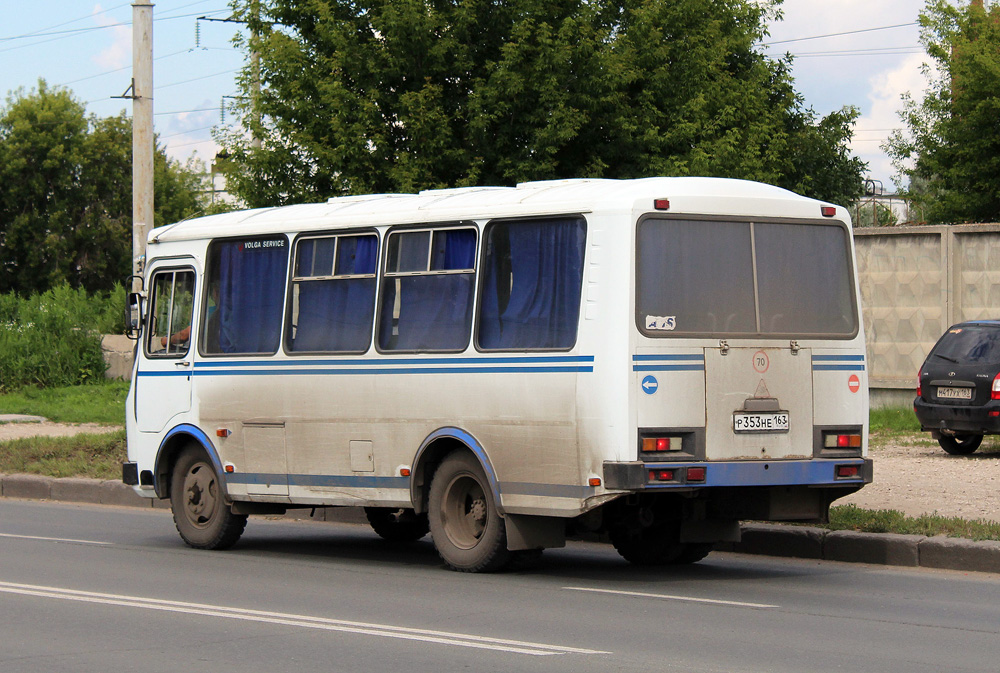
842 441
661 475
660 444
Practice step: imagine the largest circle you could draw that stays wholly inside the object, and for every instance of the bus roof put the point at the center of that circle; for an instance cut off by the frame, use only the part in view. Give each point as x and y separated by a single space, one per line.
686 195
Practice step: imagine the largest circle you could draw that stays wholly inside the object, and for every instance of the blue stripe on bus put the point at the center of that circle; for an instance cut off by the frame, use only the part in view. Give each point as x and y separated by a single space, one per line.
542 359
669 368
545 490
762 473
317 480
839 358
700 357
838 368
408 370
679 362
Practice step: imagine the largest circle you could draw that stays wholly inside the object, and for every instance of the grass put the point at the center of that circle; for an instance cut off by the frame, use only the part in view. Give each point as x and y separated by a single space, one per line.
851 517
100 456
102 403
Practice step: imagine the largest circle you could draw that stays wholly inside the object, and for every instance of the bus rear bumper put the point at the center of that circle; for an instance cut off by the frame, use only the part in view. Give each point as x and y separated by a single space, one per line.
663 476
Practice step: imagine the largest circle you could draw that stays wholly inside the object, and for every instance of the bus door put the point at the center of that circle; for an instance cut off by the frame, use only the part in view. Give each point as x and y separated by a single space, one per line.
758 403
163 375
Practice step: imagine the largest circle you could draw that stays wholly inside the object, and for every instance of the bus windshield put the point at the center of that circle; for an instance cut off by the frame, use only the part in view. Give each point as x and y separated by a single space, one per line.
743 278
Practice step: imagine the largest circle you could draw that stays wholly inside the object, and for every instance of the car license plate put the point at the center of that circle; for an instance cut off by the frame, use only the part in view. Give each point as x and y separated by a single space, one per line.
761 422
954 393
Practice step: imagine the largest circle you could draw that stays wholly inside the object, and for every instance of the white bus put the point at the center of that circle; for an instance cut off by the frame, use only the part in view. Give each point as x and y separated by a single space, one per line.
644 361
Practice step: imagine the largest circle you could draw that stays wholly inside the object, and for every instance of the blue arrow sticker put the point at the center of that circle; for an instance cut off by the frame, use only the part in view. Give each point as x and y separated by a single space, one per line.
649 385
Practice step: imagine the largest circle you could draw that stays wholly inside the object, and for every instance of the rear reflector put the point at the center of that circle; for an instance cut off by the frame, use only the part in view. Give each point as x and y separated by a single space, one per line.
696 474
848 471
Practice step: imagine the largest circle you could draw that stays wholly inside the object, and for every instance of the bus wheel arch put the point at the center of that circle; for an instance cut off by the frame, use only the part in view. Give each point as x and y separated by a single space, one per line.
170 450
433 451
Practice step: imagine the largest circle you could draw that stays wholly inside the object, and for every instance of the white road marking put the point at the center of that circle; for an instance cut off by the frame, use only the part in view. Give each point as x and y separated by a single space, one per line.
52 539
302 621
669 597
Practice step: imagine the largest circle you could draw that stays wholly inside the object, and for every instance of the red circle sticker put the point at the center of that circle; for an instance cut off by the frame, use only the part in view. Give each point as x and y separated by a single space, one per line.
761 362
854 383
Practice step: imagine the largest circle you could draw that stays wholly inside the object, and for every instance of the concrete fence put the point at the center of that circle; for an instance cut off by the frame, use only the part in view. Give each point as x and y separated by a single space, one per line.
915 283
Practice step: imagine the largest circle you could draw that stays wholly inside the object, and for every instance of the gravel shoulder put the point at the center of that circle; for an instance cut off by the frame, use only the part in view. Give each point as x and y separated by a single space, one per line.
915 476
912 473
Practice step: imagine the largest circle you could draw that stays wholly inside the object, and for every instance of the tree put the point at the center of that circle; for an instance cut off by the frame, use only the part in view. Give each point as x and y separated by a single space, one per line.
374 96
951 153
66 195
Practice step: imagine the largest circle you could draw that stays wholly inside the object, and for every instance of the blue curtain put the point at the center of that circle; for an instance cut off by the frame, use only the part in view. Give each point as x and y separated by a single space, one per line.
435 312
251 287
532 281
454 249
336 315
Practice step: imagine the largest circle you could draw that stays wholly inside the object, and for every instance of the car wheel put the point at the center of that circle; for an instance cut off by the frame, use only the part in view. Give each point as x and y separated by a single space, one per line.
960 445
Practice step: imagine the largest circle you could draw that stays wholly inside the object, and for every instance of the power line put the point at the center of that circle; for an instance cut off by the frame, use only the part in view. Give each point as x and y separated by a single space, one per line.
846 32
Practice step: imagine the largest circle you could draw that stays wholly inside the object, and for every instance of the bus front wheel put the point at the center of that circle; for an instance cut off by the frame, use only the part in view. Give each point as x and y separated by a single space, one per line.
201 514
468 531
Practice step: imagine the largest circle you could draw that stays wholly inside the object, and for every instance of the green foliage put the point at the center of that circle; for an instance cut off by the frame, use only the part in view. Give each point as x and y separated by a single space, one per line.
66 202
871 214
102 402
951 150
371 96
893 419
54 338
97 456
852 517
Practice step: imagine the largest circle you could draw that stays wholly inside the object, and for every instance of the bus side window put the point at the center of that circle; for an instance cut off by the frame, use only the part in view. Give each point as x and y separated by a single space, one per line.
170 311
427 290
532 281
246 305
333 294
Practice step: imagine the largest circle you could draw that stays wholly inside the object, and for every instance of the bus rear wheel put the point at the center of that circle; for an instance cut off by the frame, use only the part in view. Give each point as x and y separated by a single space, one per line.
397 525
201 514
648 546
468 531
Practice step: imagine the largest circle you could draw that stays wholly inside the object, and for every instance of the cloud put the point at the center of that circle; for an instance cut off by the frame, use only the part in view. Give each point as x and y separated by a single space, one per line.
118 54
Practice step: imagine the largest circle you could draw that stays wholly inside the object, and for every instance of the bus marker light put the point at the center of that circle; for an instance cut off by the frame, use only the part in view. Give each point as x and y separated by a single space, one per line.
661 204
828 211
594 481
696 474
404 472
229 468
223 432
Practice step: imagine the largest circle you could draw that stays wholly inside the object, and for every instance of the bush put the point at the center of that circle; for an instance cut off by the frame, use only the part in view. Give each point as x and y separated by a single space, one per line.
54 338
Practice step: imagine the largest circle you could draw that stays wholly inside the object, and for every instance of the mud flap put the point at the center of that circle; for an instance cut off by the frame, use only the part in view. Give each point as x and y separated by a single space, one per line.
534 532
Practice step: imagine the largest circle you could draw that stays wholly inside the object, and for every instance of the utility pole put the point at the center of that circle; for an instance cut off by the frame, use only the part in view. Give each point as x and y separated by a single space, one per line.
142 130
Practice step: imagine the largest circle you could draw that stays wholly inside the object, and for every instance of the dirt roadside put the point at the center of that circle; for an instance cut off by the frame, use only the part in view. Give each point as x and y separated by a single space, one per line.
912 475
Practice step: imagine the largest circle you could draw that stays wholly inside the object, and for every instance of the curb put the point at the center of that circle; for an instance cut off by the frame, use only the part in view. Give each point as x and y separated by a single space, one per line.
806 542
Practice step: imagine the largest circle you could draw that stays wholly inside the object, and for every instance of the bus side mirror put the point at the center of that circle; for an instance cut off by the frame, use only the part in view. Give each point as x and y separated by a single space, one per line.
134 311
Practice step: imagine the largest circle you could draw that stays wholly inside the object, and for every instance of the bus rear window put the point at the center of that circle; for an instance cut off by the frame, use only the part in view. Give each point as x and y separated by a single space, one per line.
736 278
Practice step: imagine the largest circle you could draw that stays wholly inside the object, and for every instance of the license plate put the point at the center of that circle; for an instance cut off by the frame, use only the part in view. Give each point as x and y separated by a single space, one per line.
954 393
761 422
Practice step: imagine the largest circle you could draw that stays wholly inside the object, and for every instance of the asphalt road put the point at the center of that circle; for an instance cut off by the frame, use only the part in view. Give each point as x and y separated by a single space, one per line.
92 588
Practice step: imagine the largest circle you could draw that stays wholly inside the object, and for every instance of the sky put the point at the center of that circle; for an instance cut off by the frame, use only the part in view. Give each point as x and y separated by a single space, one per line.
863 53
